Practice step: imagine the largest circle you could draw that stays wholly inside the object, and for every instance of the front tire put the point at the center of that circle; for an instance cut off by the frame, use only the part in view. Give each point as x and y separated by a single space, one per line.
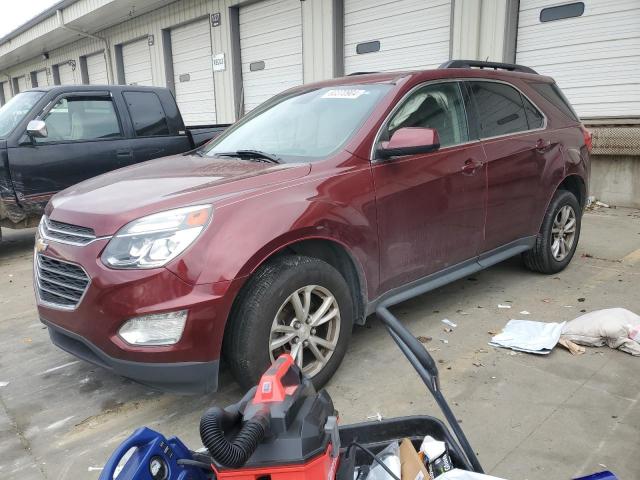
292 304
559 234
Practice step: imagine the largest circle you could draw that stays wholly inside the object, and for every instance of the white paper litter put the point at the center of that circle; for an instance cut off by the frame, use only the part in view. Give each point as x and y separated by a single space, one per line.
4 384
524 312
528 336
504 306
457 474
446 321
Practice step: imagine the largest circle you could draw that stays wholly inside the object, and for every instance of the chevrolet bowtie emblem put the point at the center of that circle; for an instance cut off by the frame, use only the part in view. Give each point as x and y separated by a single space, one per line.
41 245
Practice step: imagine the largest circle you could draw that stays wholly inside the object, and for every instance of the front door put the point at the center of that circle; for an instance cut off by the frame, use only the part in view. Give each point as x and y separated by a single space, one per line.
431 207
85 139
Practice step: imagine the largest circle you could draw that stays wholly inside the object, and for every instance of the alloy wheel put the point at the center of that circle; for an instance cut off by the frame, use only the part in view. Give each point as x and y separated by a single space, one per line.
563 233
307 326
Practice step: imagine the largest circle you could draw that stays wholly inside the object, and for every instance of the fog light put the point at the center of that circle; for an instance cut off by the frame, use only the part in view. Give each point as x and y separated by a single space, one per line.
155 329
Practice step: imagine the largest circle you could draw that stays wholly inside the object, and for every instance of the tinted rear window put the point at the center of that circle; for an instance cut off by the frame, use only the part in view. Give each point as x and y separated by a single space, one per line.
535 119
500 109
553 94
149 118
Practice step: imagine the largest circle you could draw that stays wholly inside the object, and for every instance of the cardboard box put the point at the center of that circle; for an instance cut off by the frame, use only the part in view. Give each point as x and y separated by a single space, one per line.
412 467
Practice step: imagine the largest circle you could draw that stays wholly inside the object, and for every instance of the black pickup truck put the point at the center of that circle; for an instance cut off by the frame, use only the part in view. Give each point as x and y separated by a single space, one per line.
54 137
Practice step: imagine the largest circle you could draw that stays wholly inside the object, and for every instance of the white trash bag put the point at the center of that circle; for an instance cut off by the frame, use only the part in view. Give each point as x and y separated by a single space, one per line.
616 327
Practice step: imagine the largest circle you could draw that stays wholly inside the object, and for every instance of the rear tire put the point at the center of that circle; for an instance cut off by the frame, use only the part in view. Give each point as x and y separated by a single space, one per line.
559 234
265 320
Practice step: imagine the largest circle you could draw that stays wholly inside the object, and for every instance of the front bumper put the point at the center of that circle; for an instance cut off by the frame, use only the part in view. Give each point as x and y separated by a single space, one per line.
178 377
90 330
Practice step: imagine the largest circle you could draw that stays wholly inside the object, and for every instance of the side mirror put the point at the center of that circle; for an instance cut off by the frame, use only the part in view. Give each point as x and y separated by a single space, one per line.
37 129
410 141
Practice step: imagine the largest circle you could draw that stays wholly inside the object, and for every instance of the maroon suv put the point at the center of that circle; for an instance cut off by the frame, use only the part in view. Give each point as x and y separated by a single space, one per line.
288 229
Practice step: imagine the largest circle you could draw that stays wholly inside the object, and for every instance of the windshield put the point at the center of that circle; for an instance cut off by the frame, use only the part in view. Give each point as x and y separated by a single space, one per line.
302 126
15 109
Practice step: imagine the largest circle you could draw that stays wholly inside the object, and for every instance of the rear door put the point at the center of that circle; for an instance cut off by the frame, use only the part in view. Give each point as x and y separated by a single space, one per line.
518 148
431 207
154 133
85 138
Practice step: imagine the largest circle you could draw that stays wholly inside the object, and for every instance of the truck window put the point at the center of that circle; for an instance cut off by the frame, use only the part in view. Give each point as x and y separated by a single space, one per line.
15 110
81 118
149 118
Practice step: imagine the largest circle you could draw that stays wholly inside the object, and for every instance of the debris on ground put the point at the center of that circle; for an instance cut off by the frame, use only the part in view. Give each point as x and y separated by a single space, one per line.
503 306
378 416
477 364
528 336
573 348
446 321
581 299
444 340
524 312
447 329
424 339
3 384
616 327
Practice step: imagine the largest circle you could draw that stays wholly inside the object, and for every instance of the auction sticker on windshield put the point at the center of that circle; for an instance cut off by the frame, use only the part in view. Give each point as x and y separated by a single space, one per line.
350 93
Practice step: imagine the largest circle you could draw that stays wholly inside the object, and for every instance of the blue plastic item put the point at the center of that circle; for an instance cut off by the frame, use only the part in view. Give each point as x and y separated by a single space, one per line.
154 458
599 476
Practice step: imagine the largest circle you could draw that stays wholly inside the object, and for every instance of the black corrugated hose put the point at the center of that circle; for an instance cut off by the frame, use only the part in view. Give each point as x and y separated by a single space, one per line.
234 453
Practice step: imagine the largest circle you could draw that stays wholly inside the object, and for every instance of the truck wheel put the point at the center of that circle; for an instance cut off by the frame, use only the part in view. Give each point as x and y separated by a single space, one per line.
293 304
558 238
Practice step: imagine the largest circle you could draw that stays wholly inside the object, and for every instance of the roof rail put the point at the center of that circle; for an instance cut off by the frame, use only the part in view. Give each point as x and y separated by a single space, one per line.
512 67
360 73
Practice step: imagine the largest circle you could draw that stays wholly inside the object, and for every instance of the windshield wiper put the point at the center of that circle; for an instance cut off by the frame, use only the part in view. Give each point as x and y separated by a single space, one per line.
256 154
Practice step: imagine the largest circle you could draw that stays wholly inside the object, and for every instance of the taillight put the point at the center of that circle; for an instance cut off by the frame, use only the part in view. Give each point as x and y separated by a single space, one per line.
588 142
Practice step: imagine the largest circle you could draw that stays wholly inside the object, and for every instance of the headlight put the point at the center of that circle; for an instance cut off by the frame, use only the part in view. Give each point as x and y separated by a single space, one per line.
154 329
154 241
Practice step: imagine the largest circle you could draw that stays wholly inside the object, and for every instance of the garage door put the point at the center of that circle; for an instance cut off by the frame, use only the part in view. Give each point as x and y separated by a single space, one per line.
67 74
193 72
6 89
136 59
42 78
591 48
271 49
97 69
387 35
22 84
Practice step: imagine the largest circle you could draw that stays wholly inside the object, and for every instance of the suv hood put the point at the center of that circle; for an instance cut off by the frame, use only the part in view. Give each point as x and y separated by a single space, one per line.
107 202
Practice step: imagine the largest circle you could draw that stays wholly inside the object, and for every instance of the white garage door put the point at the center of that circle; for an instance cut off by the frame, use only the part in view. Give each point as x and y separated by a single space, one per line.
193 72
42 78
6 89
594 56
97 69
22 84
387 35
137 63
271 49
67 74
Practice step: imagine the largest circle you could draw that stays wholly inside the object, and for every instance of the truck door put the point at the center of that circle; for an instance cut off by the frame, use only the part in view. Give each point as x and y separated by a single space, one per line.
84 139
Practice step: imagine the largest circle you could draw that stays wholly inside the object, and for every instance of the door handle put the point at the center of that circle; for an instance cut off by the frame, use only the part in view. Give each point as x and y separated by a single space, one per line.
543 145
470 166
124 153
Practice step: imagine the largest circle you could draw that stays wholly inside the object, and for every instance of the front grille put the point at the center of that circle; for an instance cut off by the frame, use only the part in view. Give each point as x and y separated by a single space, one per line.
66 233
59 283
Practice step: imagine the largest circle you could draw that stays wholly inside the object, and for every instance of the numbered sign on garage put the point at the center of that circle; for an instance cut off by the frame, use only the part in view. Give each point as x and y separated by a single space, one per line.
395 34
271 49
97 69
136 60
191 54
591 48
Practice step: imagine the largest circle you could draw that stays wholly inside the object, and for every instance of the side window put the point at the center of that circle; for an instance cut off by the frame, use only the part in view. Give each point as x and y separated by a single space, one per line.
81 118
500 109
535 119
553 94
149 119
438 106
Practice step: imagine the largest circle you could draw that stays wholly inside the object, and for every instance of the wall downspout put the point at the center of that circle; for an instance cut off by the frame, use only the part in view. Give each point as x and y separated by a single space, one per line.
107 50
